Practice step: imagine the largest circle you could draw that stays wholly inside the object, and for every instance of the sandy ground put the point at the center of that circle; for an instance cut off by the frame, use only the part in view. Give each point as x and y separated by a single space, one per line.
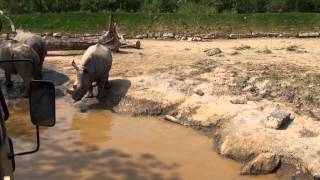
179 79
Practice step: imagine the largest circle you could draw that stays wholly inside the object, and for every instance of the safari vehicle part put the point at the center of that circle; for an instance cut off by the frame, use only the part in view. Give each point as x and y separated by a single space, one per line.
13 28
42 113
42 99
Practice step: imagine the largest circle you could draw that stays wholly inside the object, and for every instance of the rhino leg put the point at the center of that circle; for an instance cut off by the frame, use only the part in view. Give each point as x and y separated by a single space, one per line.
90 92
101 87
8 82
107 84
27 82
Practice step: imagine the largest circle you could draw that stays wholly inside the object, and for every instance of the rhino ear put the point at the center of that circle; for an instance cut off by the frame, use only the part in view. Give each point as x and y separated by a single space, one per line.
75 65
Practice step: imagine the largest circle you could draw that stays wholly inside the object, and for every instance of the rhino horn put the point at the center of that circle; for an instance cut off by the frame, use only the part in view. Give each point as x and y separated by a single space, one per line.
75 65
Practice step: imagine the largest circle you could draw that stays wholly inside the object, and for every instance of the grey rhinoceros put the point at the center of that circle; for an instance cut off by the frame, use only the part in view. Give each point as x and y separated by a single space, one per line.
95 66
35 41
19 51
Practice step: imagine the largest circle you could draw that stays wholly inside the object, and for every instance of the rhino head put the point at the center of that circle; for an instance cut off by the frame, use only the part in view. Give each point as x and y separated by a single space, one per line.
82 83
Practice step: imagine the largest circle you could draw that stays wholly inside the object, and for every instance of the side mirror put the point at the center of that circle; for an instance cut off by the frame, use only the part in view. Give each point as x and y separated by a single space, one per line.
42 109
42 103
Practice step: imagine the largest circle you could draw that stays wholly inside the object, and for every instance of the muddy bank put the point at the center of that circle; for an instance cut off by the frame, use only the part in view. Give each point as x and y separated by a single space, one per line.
233 90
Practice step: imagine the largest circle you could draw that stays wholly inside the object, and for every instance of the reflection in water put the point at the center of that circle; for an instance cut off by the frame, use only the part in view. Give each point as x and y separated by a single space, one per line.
93 126
19 123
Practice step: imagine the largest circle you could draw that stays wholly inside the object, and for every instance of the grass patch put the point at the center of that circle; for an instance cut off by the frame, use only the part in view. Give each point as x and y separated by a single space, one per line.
142 23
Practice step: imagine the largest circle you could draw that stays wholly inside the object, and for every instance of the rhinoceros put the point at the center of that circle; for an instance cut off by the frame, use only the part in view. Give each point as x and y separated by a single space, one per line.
35 41
95 66
19 51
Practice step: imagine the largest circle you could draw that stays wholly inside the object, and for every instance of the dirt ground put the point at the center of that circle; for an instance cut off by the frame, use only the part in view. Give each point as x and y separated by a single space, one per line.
230 91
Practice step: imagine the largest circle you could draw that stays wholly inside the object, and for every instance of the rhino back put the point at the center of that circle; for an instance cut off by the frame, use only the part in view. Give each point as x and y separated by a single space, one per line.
97 60
35 41
25 52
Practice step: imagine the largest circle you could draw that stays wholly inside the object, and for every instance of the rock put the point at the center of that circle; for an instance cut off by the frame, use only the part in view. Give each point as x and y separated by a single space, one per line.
196 39
292 48
265 163
200 92
264 51
86 35
276 119
308 35
168 35
171 118
57 35
212 51
158 35
234 53
48 34
177 37
273 34
242 47
139 37
64 37
209 36
239 101
240 36
184 38
151 35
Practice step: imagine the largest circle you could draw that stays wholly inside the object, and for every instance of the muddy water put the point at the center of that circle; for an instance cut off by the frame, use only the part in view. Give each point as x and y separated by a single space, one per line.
98 145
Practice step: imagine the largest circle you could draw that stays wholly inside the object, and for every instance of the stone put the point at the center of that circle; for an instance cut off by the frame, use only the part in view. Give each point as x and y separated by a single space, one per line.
277 119
212 51
172 119
308 35
184 38
139 37
197 39
239 101
57 35
158 35
292 48
234 53
209 36
177 37
242 47
48 34
199 92
168 35
151 35
264 51
265 163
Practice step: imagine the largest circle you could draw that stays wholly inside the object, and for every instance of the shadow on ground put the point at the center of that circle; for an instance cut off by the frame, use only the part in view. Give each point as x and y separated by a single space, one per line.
118 90
93 164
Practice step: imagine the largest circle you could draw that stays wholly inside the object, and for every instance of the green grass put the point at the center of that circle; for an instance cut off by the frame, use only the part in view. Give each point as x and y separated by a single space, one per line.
139 23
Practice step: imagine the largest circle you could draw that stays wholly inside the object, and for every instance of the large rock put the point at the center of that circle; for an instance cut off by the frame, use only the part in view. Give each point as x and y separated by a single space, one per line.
168 35
308 35
57 35
212 51
265 163
276 119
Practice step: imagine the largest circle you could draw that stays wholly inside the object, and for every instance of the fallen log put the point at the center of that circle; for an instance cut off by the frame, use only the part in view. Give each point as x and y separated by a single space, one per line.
69 44
54 44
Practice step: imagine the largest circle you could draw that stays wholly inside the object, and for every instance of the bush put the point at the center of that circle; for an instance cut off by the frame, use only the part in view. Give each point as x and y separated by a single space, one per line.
161 6
196 8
